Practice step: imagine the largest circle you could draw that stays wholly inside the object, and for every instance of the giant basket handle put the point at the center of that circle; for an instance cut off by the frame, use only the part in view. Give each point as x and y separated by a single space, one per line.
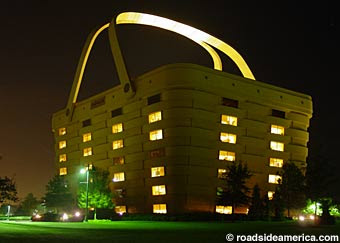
203 39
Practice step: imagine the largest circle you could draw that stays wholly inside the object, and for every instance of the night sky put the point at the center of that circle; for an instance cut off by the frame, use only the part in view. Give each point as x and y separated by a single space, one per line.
292 45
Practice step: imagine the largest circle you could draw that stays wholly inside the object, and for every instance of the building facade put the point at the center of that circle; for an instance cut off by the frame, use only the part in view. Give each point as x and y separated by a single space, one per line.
167 147
168 137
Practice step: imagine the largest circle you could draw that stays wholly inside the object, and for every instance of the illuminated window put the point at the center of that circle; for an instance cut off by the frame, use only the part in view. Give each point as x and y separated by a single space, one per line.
62 144
87 137
277 146
117 144
224 209
157 171
159 208
120 176
116 128
118 161
62 131
156 135
158 190
275 129
228 137
226 155
120 209
270 195
62 157
275 179
87 151
63 171
229 120
221 173
275 162
155 116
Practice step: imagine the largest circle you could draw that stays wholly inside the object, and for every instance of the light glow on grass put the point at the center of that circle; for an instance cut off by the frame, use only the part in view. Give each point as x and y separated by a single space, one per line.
146 231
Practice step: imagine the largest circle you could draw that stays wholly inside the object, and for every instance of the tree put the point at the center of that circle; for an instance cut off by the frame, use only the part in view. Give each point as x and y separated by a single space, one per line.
28 205
99 193
292 187
268 208
322 179
277 204
8 190
58 196
256 209
326 218
235 192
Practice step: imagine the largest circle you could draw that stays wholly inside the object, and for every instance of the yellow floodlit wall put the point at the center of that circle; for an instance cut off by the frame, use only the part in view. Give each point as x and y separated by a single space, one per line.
168 137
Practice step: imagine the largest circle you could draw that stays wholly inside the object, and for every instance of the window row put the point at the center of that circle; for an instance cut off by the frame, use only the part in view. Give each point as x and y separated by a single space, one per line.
120 176
116 128
156 208
276 146
221 173
232 120
157 116
161 190
156 190
155 172
223 155
158 134
117 144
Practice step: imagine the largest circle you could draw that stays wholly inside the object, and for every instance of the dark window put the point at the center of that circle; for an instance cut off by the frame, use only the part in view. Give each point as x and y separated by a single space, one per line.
154 99
87 123
219 191
116 112
120 193
118 161
229 102
157 153
278 113
98 102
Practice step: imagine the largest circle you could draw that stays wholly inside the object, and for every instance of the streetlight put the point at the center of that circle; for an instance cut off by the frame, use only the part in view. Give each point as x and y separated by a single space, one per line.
83 171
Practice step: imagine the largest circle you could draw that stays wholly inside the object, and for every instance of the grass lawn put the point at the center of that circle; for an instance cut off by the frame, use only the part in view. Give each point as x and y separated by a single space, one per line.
148 231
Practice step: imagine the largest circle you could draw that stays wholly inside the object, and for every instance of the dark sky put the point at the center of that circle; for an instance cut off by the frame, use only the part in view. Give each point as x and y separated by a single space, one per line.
292 45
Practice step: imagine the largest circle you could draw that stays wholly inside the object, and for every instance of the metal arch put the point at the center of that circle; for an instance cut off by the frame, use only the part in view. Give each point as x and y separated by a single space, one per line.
198 36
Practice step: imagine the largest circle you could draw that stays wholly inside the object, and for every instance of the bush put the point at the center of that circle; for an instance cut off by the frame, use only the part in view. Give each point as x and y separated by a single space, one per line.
327 220
102 213
180 217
